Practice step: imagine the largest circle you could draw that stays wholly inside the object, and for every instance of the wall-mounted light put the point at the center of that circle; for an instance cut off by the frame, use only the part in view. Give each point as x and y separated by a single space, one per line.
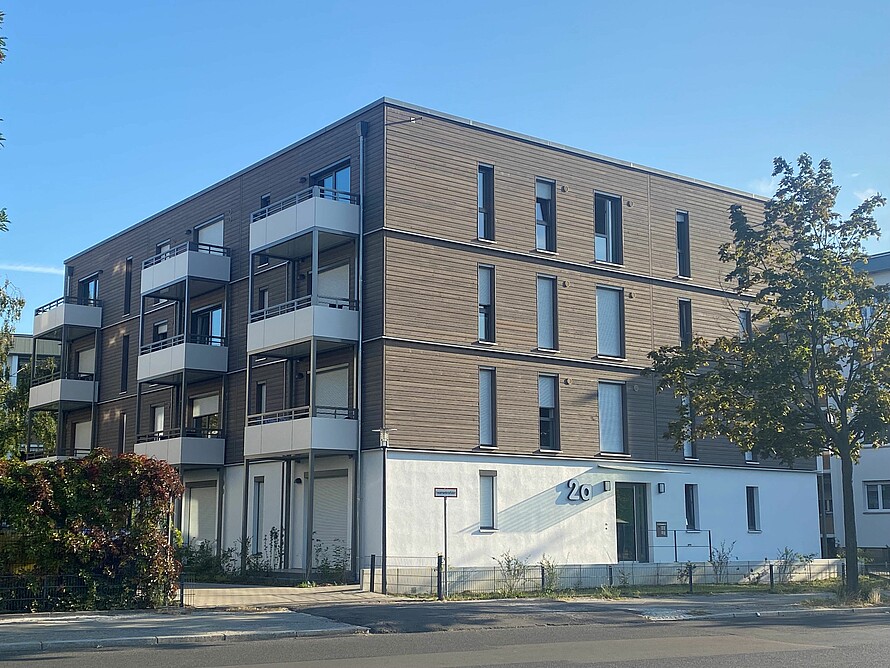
303 179
298 481
607 485
188 233
661 488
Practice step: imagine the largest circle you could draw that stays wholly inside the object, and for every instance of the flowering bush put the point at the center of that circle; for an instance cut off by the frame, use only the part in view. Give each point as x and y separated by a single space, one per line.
85 533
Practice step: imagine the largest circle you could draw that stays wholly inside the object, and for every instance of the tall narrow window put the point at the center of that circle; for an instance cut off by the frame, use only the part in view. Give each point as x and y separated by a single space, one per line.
548 408
547 339
159 331
259 487
121 432
685 312
260 405
612 418
485 202
684 268
746 330
265 200
335 182
162 247
692 508
609 322
487 416
689 451
128 285
486 303
125 362
207 326
607 223
157 418
752 495
262 299
88 290
488 499
545 216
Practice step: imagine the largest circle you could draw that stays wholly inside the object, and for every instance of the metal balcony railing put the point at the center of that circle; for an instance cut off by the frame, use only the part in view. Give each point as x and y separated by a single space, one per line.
302 196
153 436
67 300
300 412
170 341
62 375
301 303
210 249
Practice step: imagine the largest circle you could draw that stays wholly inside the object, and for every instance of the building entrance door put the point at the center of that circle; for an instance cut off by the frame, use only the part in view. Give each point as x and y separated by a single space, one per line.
631 521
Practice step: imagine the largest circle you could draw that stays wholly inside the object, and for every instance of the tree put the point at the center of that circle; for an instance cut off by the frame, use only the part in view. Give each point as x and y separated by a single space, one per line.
14 417
813 375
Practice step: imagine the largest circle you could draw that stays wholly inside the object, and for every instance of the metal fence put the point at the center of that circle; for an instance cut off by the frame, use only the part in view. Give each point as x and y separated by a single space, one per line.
423 576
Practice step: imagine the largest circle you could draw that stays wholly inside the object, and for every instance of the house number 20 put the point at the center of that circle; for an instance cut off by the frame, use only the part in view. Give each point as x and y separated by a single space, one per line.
579 492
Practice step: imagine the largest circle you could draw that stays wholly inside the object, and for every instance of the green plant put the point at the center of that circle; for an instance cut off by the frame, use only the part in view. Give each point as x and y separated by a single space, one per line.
332 561
513 574
719 560
550 570
786 562
205 564
609 593
624 578
684 571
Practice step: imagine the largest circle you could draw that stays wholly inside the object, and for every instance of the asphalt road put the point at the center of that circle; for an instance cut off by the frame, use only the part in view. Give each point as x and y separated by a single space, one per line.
829 640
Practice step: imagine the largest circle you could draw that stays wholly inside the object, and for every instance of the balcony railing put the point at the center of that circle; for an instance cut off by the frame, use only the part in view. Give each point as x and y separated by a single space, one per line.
302 196
185 247
301 303
62 375
67 300
170 341
153 436
300 412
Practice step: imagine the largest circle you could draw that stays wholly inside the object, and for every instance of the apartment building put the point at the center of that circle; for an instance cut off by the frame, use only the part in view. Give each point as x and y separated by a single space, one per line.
407 300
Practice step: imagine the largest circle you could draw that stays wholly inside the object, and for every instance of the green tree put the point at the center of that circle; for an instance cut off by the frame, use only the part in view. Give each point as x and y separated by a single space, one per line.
14 417
813 375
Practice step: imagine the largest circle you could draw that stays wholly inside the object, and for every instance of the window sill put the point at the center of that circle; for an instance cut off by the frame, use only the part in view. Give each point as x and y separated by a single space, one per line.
610 358
487 530
550 351
874 511
487 447
620 455
606 263
693 530
544 251
691 459
678 277
754 531
752 463
482 342
549 451
482 240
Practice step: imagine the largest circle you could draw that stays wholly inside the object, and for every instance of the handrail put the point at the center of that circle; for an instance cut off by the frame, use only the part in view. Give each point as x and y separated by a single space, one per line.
67 300
62 375
302 196
184 247
300 412
153 436
170 341
301 303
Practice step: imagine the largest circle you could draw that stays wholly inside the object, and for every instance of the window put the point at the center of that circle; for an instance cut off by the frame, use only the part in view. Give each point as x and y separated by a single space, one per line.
260 404
486 303
128 285
488 500
545 216
265 200
609 322
689 450
335 182
746 331
692 508
207 326
685 322
753 506
262 260
547 313
159 331
205 416
877 495
750 457
259 485
121 432
157 419
162 247
611 416
487 420
548 407
262 299
683 266
485 202
210 234
125 362
607 224
88 290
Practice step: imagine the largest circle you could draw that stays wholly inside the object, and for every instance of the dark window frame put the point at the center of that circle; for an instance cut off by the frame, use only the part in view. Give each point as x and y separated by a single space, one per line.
684 261
125 363
88 289
485 221
622 343
551 419
493 409
690 494
752 508
492 477
612 230
547 219
746 326
486 330
554 315
684 318
624 441
128 285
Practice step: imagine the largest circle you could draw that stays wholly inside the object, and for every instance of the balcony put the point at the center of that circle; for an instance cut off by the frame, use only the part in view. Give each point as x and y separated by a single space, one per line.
327 209
299 320
203 262
293 430
189 448
65 390
207 355
80 314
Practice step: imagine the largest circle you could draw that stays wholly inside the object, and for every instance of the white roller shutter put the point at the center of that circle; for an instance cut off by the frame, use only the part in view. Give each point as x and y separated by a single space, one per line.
211 234
330 519
608 322
546 324
202 514
332 388
611 405
82 435
334 282
86 361
202 406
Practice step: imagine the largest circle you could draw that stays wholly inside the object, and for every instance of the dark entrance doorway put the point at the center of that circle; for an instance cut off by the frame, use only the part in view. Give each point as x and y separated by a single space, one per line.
631 521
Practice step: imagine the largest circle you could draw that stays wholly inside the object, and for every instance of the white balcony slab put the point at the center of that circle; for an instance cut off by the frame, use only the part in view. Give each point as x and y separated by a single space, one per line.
318 433
65 390
327 214
186 450
300 325
75 315
190 264
174 359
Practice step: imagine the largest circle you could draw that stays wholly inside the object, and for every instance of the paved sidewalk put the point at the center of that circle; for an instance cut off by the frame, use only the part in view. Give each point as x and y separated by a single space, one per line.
65 631
201 595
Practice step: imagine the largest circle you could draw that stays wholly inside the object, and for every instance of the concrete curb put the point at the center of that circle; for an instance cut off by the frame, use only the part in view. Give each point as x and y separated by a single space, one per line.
811 612
146 641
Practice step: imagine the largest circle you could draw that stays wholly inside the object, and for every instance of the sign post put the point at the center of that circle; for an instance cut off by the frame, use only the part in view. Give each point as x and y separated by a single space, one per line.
445 493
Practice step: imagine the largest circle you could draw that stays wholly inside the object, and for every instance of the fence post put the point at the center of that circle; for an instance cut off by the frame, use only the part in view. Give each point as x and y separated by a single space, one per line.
772 578
611 581
440 593
843 573
373 568
689 568
676 554
181 589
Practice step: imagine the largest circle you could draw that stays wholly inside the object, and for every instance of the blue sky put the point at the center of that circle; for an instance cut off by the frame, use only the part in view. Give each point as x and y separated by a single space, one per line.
115 110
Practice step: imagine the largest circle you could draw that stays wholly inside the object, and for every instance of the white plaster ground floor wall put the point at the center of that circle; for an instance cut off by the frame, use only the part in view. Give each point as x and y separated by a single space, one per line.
535 516
872 525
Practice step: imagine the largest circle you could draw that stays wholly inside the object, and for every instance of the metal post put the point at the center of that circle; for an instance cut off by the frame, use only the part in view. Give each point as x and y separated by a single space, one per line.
440 593
245 498
181 589
373 568
772 578
689 568
710 545
445 511
313 299
285 530
308 505
676 556
611 580
543 578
